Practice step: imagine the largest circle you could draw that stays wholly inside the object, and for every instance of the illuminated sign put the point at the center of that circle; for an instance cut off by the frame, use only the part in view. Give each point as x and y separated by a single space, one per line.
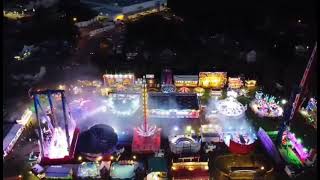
215 80
115 79
186 80
235 83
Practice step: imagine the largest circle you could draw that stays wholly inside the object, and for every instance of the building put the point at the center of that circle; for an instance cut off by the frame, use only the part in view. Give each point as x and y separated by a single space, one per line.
126 9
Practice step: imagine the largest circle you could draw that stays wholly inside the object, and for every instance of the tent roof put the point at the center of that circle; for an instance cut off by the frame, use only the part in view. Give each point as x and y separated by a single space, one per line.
157 164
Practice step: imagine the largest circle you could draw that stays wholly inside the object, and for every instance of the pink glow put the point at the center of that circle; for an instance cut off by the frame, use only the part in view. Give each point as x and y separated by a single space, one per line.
298 146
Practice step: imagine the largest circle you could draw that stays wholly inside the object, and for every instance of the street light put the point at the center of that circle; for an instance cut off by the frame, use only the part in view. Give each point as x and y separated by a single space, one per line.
283 101
74 19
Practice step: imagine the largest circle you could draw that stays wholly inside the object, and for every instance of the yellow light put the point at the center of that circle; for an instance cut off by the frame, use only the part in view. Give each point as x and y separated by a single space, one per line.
134 157
30 172
206 167
119 17
189 128
74 19
262 168
79 158
190 168
111 158
99 158
174 168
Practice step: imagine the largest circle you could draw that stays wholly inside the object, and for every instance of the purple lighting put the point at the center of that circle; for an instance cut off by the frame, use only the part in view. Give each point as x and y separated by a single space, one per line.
268 145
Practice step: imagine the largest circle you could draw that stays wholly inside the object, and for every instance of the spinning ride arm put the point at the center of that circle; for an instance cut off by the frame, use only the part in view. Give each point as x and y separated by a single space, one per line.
296 97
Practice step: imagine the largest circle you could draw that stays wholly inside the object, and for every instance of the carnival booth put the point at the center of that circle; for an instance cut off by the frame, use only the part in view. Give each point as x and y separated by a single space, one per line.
214 80
250 83
15 131
235 82
211 133
185 80
190 168
233 166
113 80
157 168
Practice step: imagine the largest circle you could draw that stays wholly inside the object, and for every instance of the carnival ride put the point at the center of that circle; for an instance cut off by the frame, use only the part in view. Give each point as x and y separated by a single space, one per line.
184 144
125 169
146 138
231 108
87 170
266 106
99 140
57 129
240 142
296 97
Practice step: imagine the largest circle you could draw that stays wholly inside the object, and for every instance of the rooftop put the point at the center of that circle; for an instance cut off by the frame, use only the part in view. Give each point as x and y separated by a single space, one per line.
173 101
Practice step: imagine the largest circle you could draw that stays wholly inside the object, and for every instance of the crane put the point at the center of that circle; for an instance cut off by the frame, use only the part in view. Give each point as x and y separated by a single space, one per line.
296 99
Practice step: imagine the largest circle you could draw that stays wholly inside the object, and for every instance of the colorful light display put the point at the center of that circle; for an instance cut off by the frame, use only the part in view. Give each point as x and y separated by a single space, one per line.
266 106
215 80
289 138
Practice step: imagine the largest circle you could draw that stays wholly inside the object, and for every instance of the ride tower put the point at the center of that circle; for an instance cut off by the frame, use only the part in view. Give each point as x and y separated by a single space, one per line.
297 97
57 130
146 138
